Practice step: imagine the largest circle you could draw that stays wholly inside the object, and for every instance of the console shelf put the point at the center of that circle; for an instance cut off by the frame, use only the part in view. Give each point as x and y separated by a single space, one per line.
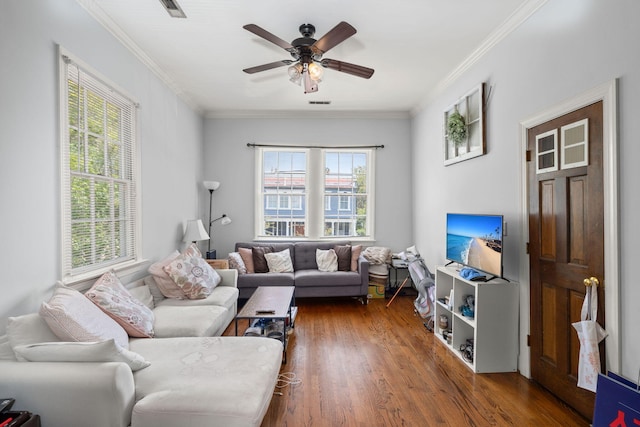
494 327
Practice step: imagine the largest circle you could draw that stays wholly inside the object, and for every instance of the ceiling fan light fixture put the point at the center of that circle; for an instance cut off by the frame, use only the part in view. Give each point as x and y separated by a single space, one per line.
295 73
316 72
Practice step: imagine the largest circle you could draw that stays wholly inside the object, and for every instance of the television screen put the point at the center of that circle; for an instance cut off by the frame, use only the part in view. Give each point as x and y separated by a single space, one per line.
475 241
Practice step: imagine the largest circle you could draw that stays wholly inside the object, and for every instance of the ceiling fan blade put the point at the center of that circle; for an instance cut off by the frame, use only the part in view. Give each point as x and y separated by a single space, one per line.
345 67
334 37
261 32
265 67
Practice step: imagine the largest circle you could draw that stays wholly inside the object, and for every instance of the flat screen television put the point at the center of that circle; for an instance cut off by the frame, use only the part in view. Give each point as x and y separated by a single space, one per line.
475 241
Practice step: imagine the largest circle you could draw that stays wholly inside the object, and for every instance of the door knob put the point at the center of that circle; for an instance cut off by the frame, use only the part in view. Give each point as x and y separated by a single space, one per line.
591 281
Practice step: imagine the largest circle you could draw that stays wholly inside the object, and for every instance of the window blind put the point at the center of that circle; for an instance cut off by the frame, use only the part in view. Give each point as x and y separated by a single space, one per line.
98 173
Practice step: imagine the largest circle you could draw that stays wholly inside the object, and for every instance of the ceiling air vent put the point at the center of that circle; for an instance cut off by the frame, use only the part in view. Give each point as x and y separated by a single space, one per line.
173 8
319 102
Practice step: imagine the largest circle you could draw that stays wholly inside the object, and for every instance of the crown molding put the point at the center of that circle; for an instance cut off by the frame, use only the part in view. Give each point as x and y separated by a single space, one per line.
517 18
306 114
109 24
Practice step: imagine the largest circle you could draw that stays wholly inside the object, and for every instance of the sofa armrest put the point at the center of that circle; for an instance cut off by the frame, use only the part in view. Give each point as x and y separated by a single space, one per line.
229 277
363 269
67 394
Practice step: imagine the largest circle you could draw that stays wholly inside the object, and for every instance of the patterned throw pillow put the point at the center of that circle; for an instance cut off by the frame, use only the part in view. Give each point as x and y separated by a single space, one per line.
236 262
327 260
193 274
165 284
279 262
344 257
115 300
72 317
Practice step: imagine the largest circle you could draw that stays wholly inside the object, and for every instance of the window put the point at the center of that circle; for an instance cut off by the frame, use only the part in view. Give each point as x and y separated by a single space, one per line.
98 173
314 193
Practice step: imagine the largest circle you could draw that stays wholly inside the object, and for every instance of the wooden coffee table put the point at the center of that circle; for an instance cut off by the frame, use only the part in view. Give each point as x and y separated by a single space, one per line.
270 302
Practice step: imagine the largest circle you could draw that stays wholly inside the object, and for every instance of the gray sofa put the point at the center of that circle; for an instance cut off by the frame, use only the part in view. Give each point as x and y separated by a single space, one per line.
307 279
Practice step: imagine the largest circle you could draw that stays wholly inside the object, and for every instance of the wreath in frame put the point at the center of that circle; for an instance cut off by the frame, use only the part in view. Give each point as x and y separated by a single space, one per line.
456 127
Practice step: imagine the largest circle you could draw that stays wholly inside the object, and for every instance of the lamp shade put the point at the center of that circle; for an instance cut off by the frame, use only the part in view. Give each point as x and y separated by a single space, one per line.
211 185
225 221
195 231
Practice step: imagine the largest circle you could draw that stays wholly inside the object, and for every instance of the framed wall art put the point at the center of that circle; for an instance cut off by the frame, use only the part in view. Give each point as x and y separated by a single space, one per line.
464 129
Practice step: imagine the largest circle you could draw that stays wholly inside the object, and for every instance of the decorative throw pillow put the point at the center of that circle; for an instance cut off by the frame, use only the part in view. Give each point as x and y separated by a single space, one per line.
279 262
344 257
72 317
247 257
167 286
259 261
355 254
103 351
118 303
193 274
236 262
327 260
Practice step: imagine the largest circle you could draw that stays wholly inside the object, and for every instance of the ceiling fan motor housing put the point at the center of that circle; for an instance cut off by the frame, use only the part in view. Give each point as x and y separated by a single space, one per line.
307 30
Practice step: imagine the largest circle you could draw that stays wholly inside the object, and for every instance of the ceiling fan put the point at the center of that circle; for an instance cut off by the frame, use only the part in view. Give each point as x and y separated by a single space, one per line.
307 64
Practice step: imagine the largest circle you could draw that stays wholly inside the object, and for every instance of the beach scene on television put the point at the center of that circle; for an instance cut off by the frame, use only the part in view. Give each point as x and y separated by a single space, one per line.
475 241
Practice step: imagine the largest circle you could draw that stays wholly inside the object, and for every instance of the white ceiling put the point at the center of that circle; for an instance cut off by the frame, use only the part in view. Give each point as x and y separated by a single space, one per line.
415 46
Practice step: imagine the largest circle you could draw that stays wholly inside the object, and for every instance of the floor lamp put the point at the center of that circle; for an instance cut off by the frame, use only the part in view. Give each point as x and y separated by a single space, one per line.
224 219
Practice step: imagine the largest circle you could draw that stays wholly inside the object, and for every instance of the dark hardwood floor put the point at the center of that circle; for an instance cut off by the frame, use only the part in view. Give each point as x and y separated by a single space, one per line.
368 365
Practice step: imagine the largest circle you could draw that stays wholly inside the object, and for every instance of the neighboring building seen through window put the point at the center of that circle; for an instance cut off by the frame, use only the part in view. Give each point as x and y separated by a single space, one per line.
313 193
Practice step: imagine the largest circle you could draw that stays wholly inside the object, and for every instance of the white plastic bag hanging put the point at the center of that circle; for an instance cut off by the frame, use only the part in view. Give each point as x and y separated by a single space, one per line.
590 333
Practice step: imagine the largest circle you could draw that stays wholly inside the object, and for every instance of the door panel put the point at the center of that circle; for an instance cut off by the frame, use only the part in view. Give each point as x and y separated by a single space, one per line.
566 210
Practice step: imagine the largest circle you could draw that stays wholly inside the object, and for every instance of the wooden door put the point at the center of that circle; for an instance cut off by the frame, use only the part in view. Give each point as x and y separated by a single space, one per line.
566 232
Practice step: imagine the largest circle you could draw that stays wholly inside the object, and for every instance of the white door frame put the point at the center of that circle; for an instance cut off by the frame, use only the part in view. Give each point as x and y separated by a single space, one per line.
607 93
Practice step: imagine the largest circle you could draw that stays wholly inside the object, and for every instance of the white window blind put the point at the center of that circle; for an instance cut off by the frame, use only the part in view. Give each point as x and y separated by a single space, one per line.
98 173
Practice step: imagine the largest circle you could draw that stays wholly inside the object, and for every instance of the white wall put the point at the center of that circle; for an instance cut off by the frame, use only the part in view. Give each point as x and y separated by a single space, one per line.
230 161
170 134
567 48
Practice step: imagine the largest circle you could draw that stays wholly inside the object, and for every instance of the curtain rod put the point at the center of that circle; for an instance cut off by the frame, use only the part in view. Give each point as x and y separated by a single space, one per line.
252 145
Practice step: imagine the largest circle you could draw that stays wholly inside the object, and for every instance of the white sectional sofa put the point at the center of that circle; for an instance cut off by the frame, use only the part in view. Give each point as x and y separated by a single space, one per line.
194 376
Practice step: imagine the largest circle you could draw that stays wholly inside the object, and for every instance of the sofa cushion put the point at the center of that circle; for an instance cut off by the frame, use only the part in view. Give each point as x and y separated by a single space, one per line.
154 289
271 279
104 351
29 329
344 257
236 262
118 303
259 261
306 278
166 285
224 296
221 381
188 321
72 317
247 257
6 351
279 262
143 294
355 254
304 257
327 260
193 274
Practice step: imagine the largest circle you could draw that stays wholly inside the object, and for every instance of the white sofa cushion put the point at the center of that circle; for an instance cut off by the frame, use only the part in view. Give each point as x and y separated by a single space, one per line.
192 321
224 296
327 260
105 351
29 329
72 317
279 262
220 381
